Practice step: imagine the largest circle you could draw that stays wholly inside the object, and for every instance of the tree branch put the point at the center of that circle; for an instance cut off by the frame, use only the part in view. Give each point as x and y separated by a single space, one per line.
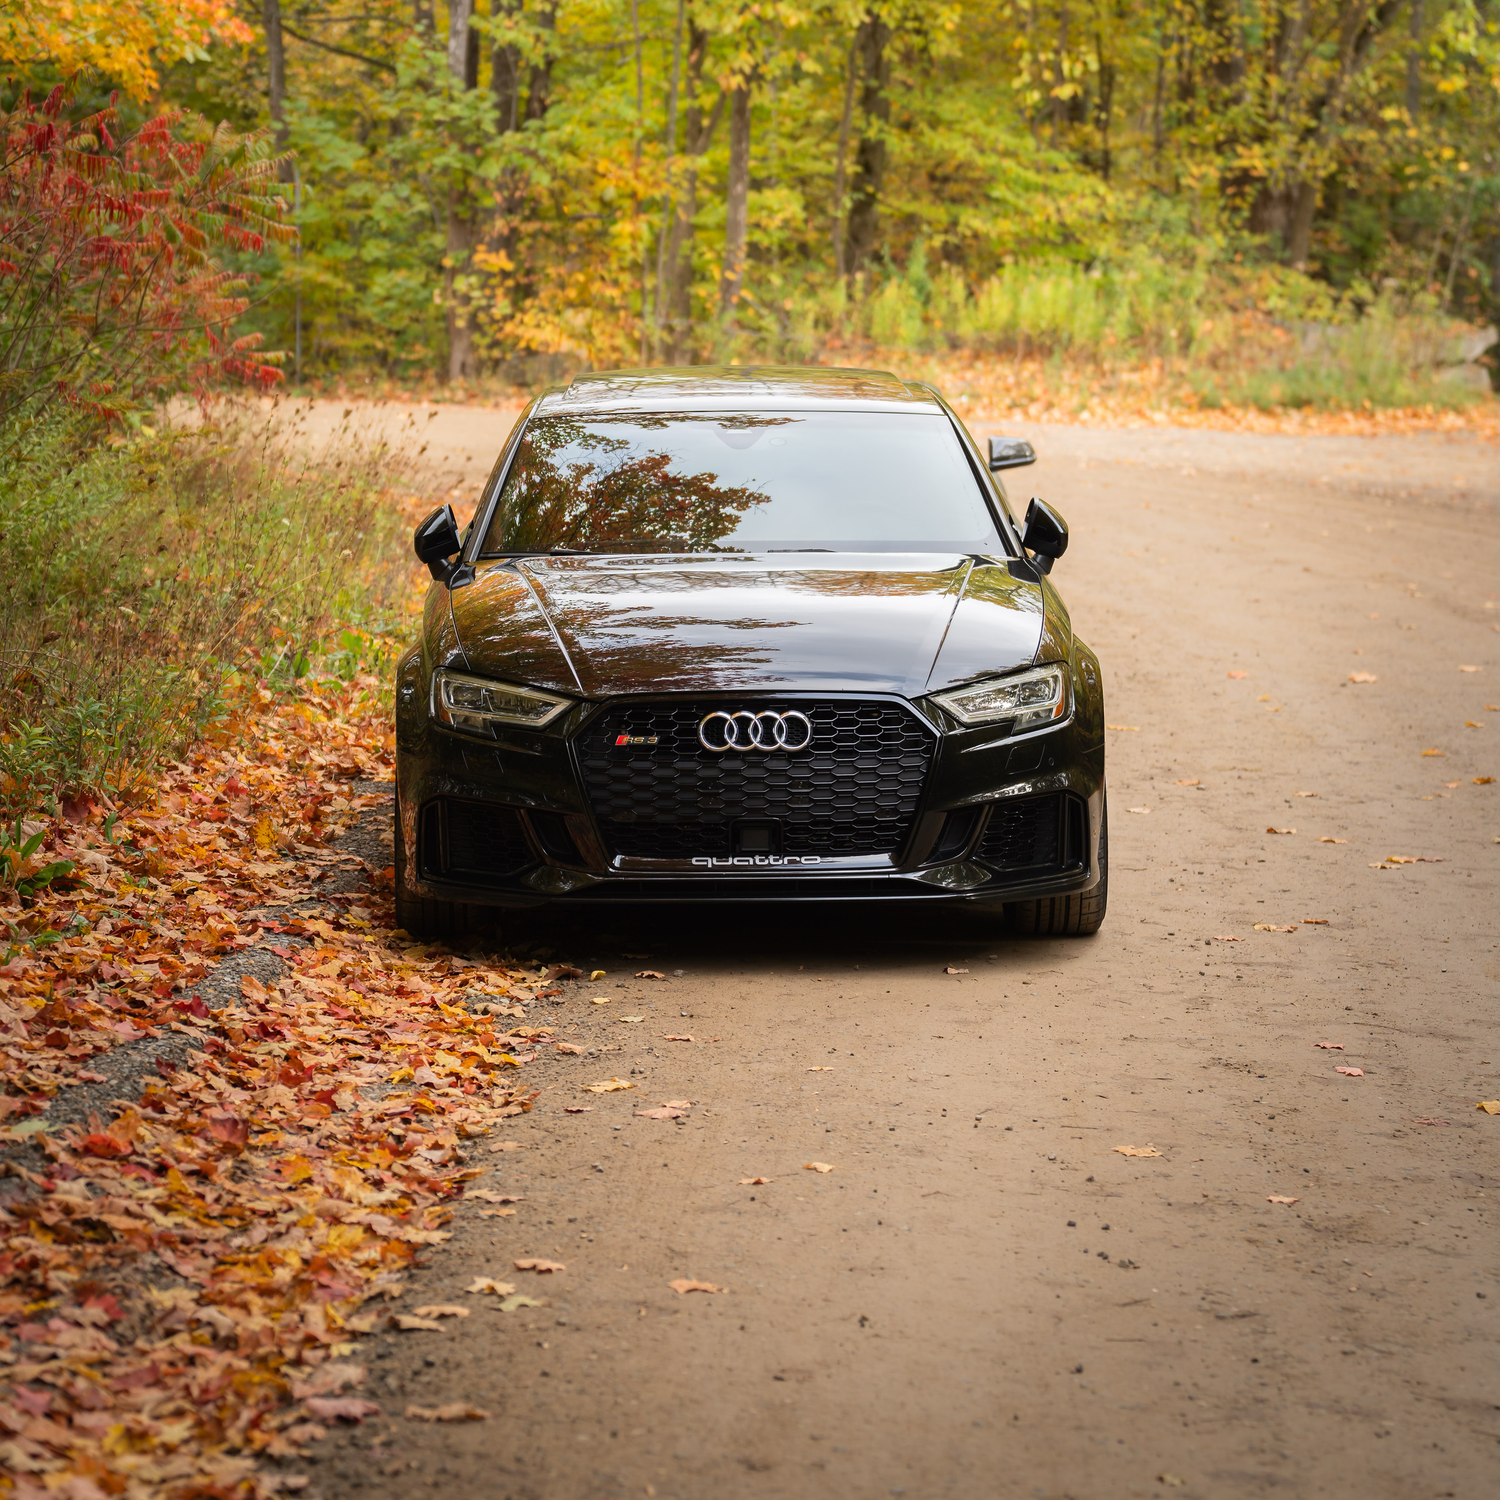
373 62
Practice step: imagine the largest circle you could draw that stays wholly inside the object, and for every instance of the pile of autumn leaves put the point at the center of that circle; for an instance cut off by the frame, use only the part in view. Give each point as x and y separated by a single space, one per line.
183 1275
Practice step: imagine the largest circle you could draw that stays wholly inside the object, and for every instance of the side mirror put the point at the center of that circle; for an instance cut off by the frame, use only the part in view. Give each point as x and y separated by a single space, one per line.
1010 453
436 540
1044 534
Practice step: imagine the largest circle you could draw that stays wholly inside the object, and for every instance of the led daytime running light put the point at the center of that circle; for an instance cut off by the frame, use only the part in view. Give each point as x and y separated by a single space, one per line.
1029 699
479 706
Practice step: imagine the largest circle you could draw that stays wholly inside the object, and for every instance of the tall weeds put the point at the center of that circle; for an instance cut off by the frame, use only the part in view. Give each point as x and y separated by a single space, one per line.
144 586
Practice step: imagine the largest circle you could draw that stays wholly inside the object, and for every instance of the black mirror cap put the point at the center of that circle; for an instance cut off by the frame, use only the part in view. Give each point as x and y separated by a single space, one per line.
1045 532
436 540
1010 453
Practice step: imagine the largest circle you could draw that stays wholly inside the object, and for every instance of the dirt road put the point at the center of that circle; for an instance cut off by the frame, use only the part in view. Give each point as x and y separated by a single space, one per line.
984 1297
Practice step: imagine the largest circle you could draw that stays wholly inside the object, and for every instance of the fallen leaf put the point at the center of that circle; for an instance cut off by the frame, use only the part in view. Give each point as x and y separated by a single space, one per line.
341 1408
1236 674
1304 794
452 1411
1363 677
1323 838
1224 937
1351 1072
1277 1198
518 1299
677 1039
677 1103
497 1213
1434 751
1175 1481
1470 724
1125 728
1188 781
541 1267
327 1379
1468 669
1315 921
492 1197
600 1000
661 1114
1137 1150
1275 927
1400 859
505 1145
408 1324
629 1020
441 1310
951 970
1269 829
1483 780
578 1109
650 974
561 971
683 1287
820 1070
568 1049
1489 1106
1330 1046
609 1086
485 1286
595 974
1138 809
816 1166
755 1181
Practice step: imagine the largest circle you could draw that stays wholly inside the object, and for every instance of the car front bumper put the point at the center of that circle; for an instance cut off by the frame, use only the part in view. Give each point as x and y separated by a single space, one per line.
525 820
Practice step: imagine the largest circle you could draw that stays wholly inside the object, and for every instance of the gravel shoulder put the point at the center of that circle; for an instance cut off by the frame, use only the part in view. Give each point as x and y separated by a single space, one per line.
984 1296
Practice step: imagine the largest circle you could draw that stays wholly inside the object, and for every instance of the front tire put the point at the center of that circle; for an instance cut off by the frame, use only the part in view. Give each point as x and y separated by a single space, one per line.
1079 915
425 918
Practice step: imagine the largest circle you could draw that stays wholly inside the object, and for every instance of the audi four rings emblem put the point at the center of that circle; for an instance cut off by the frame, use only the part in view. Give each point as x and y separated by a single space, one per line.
749 731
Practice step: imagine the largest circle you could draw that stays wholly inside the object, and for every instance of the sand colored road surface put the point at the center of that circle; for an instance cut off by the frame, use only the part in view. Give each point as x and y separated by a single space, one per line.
1287 1284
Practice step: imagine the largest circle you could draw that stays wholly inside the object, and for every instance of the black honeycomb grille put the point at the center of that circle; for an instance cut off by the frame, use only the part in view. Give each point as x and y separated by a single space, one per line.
853 791
1035 834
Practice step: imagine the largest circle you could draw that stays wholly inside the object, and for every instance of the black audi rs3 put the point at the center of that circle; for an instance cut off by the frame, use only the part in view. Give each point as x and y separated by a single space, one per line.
748 634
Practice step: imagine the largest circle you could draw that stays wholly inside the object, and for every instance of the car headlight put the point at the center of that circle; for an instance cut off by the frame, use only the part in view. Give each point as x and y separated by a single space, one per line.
480 706
1030 699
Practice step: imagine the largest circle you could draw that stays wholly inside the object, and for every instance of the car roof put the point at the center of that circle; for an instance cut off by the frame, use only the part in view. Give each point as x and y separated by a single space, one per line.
737 387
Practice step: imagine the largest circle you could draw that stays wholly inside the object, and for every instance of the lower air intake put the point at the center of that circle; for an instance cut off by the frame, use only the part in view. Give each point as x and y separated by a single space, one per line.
1036 835
472 841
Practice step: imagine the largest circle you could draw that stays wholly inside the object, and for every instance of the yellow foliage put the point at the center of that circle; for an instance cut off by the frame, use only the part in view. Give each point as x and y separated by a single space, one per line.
116 36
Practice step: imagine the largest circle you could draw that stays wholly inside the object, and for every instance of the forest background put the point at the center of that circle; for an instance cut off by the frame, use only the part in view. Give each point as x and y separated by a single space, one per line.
1268 203
1272 210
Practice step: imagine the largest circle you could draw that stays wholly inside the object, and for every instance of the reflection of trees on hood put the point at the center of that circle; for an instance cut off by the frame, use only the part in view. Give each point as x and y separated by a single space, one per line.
572 486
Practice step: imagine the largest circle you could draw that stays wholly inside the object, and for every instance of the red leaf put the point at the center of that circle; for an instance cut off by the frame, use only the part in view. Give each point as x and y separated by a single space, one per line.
103 1145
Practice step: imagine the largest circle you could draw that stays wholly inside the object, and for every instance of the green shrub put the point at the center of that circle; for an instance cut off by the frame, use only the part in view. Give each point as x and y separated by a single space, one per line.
140 583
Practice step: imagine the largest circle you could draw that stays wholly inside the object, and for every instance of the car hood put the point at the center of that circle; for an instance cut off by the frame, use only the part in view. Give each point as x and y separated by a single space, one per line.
845 622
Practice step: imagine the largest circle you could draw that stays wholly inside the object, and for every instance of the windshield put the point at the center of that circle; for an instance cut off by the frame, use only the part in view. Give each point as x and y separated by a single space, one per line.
720 482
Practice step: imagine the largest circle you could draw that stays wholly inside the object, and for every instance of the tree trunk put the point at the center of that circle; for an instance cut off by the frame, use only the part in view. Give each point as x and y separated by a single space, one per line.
460 239
659 311
736 201
276 80
840 172
426 21
539 84
1299 232
696 134
1414 61
505 74
870 158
